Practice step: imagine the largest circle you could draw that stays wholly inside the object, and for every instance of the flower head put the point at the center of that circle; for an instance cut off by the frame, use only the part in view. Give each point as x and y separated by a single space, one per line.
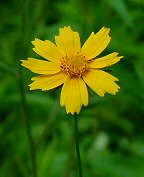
74 67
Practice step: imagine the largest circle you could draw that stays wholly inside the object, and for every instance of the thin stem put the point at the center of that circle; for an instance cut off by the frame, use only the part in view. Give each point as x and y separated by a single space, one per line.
28 128
77 145
46 126
22 91
4 66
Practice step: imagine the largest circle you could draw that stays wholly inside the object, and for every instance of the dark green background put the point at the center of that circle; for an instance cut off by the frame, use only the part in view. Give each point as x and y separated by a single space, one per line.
111 129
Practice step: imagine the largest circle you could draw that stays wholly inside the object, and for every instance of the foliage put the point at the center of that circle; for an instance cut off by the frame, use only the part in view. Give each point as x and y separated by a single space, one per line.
111 128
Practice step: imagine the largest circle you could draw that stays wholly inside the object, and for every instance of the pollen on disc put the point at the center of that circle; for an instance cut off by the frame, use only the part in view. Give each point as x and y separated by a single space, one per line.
75 65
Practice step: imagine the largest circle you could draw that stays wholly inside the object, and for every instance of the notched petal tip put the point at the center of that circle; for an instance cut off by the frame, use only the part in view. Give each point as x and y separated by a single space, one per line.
36 41
72 112
104 28
30 88
120 57
108 29
102 95
33 79
66 27
22 62
33 49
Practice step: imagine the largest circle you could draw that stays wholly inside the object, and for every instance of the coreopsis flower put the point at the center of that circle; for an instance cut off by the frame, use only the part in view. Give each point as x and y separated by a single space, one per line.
73 67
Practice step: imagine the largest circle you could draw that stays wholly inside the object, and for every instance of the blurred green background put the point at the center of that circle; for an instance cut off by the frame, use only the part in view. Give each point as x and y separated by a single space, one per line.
111 129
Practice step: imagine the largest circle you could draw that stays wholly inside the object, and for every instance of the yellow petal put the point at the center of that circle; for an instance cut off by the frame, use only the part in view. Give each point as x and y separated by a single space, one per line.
47 82
68 42
101 82
74 93
96 43
40 66
83 91
48 50
105 61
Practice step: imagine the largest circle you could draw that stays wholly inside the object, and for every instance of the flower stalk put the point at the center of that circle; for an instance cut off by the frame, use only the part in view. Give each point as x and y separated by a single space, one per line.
5 67
22 52
77 146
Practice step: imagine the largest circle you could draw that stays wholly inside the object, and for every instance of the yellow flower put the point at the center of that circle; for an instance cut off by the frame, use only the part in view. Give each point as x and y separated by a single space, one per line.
74 67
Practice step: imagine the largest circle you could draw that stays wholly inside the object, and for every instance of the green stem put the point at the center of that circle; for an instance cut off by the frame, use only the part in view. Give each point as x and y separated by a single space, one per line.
28 126
46 126
77 145
5 67
22 52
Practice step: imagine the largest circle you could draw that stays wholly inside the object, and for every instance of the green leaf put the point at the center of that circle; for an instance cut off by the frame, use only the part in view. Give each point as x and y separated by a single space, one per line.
121 9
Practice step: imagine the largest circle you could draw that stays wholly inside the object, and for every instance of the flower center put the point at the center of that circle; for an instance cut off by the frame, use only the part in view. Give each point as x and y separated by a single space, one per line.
75 65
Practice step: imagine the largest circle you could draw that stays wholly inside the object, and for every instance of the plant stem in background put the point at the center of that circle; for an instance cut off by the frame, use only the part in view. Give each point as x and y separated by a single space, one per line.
77 145
4 66
46 125
21 85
